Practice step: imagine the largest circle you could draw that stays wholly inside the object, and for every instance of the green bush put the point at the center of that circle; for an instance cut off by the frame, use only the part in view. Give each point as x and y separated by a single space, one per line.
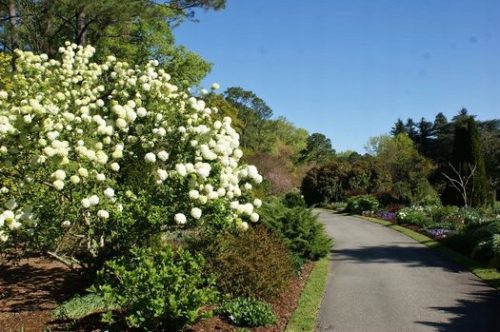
413 216
156 289
359 204
247 312
252 264
298 228
294 199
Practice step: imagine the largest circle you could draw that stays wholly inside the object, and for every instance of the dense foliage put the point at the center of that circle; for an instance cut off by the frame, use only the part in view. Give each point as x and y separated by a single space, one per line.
247 312
360 204
464 144
156 289
135 31
251 264
298 228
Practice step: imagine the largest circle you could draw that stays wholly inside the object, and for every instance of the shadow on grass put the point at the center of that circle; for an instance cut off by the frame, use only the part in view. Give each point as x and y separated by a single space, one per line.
479 312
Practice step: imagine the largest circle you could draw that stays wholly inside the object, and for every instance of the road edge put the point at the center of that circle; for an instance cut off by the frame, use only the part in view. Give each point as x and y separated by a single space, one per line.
486 274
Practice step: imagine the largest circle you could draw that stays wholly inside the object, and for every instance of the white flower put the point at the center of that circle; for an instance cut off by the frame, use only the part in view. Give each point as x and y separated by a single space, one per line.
58 184
254 217
4 190
121 123
8 215
3 236
196 213
215 86
75 179
180 219
115 167
85 203
257 203
248 186
59 174
83 172
203 199
243 226
66 224
163 155
14 225
100 177
141 112
181 169
103 214
162 174
194 194
150 157
109 192
94 200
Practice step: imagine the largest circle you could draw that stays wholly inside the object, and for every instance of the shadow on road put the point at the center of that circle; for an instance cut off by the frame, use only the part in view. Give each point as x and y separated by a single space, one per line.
411 256
479 313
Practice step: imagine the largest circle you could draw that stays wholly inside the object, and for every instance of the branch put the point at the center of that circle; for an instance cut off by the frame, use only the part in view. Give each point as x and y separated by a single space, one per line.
71 262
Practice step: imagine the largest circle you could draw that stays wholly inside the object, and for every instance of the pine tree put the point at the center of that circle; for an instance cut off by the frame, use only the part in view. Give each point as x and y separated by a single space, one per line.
398 128
468 157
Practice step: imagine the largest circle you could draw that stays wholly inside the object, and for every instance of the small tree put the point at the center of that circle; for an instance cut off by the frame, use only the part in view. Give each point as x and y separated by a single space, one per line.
460 181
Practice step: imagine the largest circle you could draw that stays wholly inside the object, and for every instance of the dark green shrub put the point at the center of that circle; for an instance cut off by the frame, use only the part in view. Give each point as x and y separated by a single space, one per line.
156 289
251 264
247 312
298 228
294 199
359 204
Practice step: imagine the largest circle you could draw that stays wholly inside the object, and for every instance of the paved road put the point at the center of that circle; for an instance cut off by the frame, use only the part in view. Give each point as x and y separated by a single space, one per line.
381 280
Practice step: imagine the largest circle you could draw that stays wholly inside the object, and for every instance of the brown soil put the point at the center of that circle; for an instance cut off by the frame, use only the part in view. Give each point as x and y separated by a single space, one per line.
283 307
30 289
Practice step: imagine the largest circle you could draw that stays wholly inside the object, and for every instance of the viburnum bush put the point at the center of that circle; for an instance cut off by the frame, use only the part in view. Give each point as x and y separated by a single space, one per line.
98 158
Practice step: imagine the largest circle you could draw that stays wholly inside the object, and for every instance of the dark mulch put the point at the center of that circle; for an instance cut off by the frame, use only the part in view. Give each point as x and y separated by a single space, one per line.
283 307
31 288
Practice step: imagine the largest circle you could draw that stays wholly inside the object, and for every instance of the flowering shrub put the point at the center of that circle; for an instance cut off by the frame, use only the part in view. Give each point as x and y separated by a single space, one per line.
359 204
414 215
95 158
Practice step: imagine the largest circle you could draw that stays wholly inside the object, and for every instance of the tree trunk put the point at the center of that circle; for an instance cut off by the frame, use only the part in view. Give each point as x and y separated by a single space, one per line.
81 29
14 35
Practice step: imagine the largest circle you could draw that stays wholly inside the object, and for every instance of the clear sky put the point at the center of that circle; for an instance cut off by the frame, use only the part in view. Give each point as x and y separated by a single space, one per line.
350 68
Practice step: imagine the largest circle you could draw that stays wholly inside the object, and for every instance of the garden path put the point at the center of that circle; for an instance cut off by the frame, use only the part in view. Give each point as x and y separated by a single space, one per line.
381 280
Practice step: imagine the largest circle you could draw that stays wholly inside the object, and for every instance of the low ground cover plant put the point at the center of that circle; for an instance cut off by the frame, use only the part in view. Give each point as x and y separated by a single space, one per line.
247 312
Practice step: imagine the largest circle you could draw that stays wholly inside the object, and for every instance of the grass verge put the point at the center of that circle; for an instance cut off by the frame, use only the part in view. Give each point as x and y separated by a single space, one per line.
487 274
304 317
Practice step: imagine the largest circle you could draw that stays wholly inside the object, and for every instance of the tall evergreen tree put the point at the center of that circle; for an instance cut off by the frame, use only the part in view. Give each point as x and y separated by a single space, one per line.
411 129
425 136
398 128
468 157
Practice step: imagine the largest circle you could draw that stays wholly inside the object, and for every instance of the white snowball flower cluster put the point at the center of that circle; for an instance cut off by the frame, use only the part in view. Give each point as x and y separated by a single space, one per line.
75 129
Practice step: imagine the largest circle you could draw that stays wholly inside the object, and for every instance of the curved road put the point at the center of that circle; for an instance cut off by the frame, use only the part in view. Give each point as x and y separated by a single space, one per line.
381 280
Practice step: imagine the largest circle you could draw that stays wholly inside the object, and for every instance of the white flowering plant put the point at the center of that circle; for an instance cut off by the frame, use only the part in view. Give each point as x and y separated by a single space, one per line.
97 158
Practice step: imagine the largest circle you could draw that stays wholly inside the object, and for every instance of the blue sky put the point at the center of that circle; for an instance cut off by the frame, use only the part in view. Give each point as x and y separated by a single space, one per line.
350 68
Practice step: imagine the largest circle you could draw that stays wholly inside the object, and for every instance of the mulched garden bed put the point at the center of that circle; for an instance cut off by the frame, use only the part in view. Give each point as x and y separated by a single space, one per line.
31 288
